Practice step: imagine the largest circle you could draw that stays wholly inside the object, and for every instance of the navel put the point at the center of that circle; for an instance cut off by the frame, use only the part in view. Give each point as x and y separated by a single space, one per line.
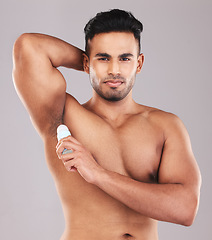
128 236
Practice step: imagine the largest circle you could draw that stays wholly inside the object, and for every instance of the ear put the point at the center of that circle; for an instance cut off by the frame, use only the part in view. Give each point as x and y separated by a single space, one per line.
86 63
140 62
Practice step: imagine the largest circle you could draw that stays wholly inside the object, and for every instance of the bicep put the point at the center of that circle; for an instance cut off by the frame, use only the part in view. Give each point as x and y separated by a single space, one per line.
178 164
40 86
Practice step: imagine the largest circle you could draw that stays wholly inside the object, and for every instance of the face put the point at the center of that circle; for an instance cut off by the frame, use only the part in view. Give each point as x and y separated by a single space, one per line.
113 64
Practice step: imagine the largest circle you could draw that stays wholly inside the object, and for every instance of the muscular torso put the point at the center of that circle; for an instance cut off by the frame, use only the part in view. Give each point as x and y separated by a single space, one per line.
142 143
131 147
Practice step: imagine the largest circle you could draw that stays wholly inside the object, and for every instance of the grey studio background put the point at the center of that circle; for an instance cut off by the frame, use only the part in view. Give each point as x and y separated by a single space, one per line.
176 77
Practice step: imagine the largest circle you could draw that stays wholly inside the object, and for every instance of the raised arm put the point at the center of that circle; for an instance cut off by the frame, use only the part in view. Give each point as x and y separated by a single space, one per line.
40 85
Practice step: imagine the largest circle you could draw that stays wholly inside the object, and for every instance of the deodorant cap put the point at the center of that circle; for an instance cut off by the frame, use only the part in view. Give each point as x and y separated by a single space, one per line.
62 132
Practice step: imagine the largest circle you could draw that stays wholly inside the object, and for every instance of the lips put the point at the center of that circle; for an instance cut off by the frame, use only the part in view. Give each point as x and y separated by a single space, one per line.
113 83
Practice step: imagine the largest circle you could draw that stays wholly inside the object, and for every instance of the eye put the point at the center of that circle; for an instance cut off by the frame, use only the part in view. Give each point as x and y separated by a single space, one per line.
103 59
125 59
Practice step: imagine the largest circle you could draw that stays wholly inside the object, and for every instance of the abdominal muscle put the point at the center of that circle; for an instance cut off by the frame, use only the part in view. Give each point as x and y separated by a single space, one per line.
91 214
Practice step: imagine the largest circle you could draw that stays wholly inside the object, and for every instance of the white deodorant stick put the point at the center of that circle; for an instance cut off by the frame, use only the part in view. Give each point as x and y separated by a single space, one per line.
62 132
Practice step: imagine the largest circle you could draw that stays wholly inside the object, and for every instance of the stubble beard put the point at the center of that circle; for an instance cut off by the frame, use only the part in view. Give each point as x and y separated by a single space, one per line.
113 94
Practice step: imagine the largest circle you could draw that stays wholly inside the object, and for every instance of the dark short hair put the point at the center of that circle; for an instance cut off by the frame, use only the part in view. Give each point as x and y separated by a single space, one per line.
115 20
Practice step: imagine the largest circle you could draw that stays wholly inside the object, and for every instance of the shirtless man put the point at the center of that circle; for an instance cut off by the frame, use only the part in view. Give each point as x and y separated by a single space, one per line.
131 164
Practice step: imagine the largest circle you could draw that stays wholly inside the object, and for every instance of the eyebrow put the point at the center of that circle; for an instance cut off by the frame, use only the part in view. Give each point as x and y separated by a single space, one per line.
124 55
102 55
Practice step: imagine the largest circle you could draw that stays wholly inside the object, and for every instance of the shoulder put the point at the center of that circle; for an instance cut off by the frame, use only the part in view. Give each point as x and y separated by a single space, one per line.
156 114
167 121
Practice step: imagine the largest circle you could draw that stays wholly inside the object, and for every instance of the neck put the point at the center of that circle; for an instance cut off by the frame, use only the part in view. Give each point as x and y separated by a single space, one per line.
112 110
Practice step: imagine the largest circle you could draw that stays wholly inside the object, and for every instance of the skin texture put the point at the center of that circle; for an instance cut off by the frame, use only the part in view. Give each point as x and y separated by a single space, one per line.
131 164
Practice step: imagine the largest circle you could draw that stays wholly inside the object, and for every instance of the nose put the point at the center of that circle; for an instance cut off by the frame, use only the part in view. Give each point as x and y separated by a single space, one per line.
114 68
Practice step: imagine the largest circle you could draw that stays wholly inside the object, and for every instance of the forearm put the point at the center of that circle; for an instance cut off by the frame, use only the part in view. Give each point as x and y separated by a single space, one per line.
164 202
59 52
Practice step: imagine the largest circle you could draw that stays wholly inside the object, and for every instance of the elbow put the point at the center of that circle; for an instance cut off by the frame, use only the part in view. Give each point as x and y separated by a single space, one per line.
20 45
21 51
23 46
188 220
190 211
191 205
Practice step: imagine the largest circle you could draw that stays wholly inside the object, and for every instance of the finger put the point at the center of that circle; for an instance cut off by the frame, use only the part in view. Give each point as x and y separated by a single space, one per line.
68 145
70 165
64 151
67 157
70 138
72 169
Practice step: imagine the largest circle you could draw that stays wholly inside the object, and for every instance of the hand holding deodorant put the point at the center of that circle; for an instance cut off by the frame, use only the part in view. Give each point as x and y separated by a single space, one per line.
62 132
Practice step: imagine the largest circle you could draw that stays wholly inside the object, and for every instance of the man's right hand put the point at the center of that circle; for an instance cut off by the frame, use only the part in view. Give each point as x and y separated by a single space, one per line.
80 159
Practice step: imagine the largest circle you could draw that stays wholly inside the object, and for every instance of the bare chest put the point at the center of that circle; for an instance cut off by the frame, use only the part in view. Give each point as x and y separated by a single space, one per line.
133 150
